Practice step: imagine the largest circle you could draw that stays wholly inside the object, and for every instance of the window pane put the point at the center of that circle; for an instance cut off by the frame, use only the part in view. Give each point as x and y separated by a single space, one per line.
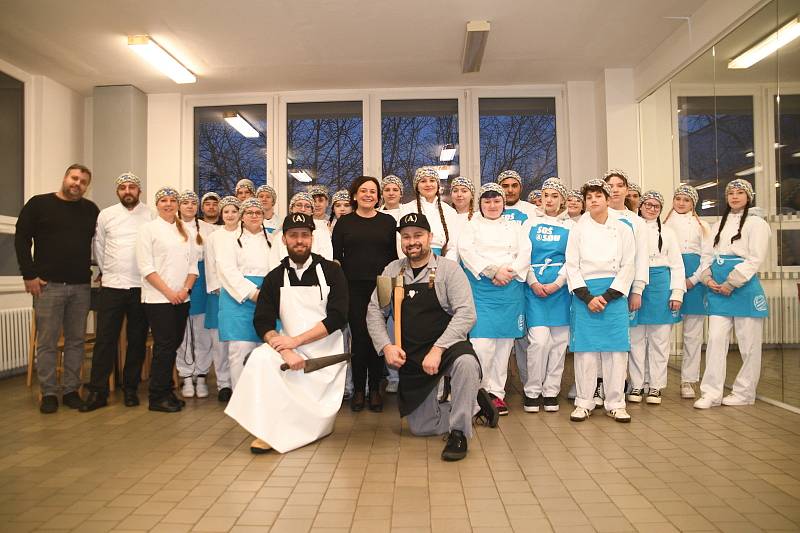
222 154
518 134
718 128
787 151
413 133
325 144
789 247
12 123
8 256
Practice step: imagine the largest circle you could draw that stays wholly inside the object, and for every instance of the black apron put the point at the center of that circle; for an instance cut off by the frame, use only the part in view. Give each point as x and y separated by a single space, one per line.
423 322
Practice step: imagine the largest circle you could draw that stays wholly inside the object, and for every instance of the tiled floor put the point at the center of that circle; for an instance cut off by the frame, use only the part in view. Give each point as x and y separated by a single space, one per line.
671 469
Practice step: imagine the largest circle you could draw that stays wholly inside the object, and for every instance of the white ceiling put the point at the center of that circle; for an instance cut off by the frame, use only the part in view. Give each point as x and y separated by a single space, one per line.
268 45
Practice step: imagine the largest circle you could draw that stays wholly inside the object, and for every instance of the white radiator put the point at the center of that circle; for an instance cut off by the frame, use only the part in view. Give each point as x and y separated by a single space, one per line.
782 326
15 330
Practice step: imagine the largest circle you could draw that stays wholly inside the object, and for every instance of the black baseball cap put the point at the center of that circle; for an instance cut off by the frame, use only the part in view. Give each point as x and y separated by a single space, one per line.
414 220
298 220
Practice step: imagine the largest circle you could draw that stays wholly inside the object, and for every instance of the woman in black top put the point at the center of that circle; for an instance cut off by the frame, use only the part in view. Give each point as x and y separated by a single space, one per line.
364 242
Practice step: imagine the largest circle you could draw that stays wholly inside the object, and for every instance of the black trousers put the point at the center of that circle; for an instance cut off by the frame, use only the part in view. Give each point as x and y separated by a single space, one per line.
113 306
168 324
366 363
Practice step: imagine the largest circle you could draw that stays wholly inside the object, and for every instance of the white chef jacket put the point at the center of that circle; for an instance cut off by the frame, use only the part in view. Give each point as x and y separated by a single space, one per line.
494 243
115 244
394 212
161 248
641 262
669 256
234 262
272 223
752 247
690 231
431 212
601 251
212 251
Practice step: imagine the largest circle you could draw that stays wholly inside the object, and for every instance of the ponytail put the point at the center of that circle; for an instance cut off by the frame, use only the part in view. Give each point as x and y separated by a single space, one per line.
181 229
266 236
444 223
658 221
198 239
241 232
722 224
741 223
471 209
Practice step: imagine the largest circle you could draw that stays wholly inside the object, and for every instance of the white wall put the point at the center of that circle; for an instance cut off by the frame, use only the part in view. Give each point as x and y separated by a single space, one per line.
622 123
583 132
164 126
655 126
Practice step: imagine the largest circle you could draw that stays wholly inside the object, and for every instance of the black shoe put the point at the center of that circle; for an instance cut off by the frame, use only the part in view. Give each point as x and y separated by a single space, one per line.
357 402
224 394
176 400
550 404
488 414
164 405
375 401
131 398
95 400
531 405
49 405
72 400
456 447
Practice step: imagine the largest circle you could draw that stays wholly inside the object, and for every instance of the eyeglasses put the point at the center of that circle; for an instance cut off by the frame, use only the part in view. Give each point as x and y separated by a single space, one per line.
651 205
253 213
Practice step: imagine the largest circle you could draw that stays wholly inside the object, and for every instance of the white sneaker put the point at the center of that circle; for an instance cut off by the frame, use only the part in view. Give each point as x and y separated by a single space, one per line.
619 415
635 396
732 400
654 396
579 414
704 402
391 387
201 388
187 391
687 390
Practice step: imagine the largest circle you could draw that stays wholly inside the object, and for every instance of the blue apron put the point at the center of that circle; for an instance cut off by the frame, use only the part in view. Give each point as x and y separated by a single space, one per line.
748 300
547 257
197 303
501 310
514 215
436 251
606 331
212 311
655 300
236 319
694 301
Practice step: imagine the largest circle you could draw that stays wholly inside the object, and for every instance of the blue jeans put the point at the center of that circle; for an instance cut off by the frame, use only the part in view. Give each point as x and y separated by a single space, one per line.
66 306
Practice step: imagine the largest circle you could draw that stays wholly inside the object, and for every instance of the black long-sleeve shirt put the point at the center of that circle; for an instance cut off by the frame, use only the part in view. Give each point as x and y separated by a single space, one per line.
269 299
61 232
364 246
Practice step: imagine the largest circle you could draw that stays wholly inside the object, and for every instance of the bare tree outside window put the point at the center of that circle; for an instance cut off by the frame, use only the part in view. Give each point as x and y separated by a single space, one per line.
715 136
223 155
518 134
413 133
325 144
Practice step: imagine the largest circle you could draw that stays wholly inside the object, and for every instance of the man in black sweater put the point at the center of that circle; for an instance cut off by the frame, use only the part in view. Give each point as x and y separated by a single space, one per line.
60 225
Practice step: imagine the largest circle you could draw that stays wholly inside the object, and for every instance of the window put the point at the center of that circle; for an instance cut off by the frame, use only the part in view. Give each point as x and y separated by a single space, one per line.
12 120
414 133
716 145
223 154
787 152
789 247
324 144
518 134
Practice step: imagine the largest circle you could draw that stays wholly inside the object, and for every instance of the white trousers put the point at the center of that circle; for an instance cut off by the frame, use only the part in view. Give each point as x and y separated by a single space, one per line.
196 352
692 342
615 367
493 355
649 350
222 368
521 355
547 347
749 332
237 353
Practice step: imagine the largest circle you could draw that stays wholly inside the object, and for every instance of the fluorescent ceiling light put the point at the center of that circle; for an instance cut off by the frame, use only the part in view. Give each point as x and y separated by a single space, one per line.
448 153
796 154
706 204
748 171
160 58
240 124
475 45
301 175
289 161
749 154
786 34
705 185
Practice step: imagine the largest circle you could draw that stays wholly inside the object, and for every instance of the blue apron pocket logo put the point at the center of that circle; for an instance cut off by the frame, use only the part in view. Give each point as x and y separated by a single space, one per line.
521 322
760 303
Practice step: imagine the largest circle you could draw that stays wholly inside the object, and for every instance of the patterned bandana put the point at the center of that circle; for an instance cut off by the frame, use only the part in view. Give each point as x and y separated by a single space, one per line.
742 185
340 196
166 191
493 187
463 182
635 187
509 174
596 183
269 190
688 190
230 200
188 196
211 195
300 196
129 177
575 193
391 178
555 184
251 202
653 195
424 172
318 190
247 184
618 173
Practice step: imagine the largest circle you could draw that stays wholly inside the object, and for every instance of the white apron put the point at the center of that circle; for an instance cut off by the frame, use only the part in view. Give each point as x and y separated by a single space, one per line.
289 409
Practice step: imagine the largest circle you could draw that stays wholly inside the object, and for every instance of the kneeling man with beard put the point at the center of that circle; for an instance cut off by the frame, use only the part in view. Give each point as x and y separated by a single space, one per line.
285 410
437 313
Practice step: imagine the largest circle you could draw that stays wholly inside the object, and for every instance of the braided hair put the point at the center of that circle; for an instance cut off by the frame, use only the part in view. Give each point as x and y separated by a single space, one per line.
241 232
180 228
725 219
441 214
658 223
198 239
